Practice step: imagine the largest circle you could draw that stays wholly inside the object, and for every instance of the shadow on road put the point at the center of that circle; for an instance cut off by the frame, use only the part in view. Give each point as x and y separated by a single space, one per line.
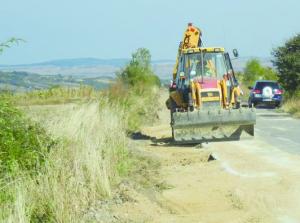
271 112
140 136
265 107
274 115
169 142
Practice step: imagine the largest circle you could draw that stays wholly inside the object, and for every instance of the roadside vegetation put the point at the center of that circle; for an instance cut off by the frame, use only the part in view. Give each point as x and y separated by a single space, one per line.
252 72
9 43
65 149
136 90
287 73
287 62
54 95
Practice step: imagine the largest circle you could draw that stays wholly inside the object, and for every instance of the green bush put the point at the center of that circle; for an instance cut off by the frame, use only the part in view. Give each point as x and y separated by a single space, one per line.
23 144
255 71
136 90
287 62
139 71
139 103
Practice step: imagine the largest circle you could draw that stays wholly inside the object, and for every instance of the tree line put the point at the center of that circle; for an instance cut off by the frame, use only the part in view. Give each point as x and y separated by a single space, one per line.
286 60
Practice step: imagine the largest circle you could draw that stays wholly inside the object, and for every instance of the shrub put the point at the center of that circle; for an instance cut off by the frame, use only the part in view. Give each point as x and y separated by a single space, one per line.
292 105
90 156
90 153
255 71
24 148
139 71
23 144
136 90
287 62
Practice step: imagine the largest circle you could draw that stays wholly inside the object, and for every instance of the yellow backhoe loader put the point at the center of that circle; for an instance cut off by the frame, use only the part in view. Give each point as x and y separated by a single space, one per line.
204 94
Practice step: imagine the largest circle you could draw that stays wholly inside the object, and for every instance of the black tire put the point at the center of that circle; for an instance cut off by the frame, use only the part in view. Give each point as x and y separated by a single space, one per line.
249 129
250 104
278 105
173 107
173 134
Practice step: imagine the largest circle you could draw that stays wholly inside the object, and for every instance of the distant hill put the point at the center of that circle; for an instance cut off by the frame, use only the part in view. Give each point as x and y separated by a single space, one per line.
75 62
93 67
82 67
24 81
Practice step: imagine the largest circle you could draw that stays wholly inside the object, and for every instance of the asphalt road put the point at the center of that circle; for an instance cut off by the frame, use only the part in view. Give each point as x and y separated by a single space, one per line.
278 129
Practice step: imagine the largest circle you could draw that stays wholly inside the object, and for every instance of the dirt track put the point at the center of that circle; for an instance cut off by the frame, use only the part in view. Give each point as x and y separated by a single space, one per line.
250 181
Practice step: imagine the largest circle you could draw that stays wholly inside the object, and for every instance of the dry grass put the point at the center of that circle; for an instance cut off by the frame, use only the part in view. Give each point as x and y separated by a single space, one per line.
56 95
292 106
91 155
88 159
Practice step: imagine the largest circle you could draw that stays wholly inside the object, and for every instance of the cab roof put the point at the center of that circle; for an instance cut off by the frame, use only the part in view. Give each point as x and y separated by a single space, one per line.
266 81
203 49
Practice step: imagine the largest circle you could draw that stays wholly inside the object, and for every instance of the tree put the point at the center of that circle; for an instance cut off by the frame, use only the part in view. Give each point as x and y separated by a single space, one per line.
255 71
287 62
270 74
9 43
142 57
252 71
139 71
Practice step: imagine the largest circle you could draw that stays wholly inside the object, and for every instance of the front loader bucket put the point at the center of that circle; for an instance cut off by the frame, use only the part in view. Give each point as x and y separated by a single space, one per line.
212 125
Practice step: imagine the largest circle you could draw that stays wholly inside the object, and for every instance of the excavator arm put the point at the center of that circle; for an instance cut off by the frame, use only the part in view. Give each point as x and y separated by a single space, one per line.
191 39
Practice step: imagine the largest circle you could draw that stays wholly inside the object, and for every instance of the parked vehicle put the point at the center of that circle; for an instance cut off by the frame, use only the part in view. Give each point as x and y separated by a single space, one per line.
266 93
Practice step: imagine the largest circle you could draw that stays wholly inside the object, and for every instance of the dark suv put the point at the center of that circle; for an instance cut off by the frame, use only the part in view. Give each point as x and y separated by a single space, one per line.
267 93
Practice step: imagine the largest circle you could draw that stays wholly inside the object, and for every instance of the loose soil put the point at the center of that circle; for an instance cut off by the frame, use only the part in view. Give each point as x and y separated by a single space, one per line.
245 181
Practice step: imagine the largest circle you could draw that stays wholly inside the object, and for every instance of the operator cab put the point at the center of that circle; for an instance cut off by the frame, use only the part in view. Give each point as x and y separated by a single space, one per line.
202 64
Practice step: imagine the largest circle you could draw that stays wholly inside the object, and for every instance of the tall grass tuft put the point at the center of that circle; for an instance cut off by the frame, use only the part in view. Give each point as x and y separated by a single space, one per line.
292 105
90 154
139 102
89 158
55 95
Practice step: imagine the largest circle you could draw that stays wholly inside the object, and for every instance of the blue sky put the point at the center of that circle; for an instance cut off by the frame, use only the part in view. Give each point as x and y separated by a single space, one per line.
57 29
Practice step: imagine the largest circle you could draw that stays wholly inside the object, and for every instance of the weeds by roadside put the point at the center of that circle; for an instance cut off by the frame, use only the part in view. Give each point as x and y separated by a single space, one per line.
90 156
55 95
292 106
23 144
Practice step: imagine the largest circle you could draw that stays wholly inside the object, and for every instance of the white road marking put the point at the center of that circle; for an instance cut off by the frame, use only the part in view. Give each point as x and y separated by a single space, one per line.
227 168
272 114
277 119
278 128
232 171
288 140
287 219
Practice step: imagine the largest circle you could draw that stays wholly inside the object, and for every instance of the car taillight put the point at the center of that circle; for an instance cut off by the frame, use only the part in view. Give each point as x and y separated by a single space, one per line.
256 91
278 91
172 85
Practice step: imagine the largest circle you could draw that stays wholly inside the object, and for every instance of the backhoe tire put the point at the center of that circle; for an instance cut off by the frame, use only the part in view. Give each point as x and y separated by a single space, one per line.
249 129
